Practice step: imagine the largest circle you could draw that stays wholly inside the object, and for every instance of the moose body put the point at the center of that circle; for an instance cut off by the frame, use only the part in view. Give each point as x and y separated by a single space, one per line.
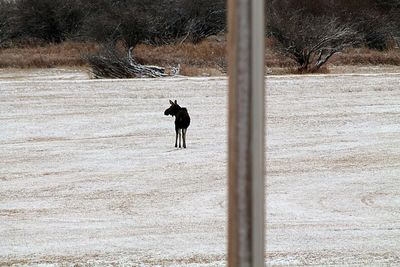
182 122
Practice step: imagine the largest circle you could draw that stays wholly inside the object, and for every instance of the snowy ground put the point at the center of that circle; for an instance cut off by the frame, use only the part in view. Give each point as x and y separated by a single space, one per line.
89 174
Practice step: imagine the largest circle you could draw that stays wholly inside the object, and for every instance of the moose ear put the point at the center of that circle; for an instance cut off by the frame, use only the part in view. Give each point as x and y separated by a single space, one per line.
176 103
171 102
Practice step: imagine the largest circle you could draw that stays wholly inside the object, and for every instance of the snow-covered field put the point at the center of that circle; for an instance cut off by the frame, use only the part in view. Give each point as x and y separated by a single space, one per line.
89 174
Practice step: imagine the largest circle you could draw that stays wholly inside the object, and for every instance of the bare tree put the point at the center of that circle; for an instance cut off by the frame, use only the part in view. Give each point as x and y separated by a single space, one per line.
6 30
48 20
204 18
394 17
311 40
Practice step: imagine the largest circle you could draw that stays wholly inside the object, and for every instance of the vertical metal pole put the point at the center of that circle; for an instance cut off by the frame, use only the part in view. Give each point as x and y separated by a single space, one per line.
246 133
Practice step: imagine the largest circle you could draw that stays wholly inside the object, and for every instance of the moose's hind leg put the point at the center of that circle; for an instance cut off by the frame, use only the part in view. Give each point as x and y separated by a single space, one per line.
180 137
184 137
176 137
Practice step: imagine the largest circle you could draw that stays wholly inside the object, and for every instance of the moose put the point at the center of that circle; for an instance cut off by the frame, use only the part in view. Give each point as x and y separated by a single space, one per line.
182 121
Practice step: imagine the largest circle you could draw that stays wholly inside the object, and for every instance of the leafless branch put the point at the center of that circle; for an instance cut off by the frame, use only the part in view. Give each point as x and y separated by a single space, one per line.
112 64
310 40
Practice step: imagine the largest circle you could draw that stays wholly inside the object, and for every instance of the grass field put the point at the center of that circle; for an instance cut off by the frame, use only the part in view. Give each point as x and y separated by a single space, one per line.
89 175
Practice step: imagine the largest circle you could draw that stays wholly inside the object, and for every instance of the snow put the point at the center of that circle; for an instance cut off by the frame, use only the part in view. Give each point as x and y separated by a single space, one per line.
89 174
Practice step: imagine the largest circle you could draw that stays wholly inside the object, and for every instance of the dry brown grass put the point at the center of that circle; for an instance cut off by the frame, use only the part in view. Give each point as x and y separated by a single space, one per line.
364 56
64 54
207 58
204 58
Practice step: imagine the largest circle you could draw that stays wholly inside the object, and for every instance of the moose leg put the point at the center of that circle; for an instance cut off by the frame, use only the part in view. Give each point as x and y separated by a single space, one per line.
176 137
184 137
180 137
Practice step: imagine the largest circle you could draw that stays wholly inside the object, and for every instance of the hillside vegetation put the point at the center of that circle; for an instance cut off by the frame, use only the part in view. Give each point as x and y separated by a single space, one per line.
301 36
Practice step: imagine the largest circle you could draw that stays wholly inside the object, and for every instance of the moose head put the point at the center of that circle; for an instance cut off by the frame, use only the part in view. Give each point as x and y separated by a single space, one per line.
173 109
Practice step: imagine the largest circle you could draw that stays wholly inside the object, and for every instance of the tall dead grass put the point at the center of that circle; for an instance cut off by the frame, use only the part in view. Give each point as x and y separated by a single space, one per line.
48 56
205 58
365 56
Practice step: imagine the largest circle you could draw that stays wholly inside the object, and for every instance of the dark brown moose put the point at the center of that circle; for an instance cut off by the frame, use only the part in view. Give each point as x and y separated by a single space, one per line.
182 121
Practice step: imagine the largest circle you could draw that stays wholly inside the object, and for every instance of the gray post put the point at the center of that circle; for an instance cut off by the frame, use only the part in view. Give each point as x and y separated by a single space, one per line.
246 133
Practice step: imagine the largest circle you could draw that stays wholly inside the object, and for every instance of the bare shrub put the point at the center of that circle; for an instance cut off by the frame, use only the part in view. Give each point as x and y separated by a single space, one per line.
311 40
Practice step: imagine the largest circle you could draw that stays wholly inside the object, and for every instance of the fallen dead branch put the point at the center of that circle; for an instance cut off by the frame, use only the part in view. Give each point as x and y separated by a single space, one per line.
111 64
